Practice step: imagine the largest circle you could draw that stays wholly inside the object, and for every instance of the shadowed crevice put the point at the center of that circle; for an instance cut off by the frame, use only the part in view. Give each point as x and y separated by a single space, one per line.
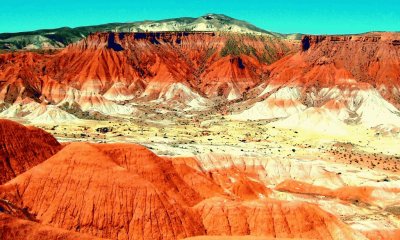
112 44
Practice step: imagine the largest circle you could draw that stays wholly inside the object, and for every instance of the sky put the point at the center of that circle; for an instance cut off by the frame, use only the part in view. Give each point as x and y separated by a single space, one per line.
284 16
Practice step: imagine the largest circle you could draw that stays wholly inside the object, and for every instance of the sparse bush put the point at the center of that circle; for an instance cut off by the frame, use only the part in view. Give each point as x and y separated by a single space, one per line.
231 48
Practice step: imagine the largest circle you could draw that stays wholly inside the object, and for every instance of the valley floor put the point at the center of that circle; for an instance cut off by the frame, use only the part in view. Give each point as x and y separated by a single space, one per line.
187 136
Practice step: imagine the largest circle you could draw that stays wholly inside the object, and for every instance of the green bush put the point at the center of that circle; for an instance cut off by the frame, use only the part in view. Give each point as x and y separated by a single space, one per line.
231 48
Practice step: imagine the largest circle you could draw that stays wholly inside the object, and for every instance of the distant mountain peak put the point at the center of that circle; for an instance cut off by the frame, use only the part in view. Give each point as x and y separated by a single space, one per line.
60 37
210 16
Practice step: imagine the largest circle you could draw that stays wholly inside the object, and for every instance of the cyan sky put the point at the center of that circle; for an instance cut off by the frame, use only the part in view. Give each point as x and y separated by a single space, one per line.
285 16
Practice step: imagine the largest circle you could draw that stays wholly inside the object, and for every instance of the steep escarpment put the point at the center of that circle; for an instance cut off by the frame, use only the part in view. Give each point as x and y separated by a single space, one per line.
22 148
309 41
140 61
321 81
20 76
370 58
357 73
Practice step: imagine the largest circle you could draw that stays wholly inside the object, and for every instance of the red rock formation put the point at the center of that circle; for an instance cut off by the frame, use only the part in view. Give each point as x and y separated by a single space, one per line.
12 228
294 186
239 238
237 182
347 193
124 191
383 234
111 191
19 76
201 182
102 59
275 219
313 40
22 148
349 62
231 74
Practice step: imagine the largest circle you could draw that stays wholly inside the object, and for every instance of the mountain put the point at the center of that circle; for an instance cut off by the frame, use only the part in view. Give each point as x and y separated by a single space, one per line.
333 80
330 80
105 72
61 37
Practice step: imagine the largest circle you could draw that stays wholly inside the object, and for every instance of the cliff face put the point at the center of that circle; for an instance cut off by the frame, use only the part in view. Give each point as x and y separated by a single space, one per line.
313 40
340 76
203 61
186 70
329 61
116 40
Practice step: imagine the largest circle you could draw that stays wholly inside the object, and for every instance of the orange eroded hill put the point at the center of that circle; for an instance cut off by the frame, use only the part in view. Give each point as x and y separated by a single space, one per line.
22 148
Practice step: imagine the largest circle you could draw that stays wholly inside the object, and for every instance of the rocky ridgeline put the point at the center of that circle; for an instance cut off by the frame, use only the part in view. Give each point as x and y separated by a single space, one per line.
312 40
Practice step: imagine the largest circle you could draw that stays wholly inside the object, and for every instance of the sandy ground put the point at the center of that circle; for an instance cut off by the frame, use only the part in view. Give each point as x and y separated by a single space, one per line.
187 136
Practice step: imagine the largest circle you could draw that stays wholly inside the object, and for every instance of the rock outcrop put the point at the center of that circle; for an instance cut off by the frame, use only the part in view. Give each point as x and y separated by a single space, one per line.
12 228
358 72
22 148
110 191
196 59
274 219
124 191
